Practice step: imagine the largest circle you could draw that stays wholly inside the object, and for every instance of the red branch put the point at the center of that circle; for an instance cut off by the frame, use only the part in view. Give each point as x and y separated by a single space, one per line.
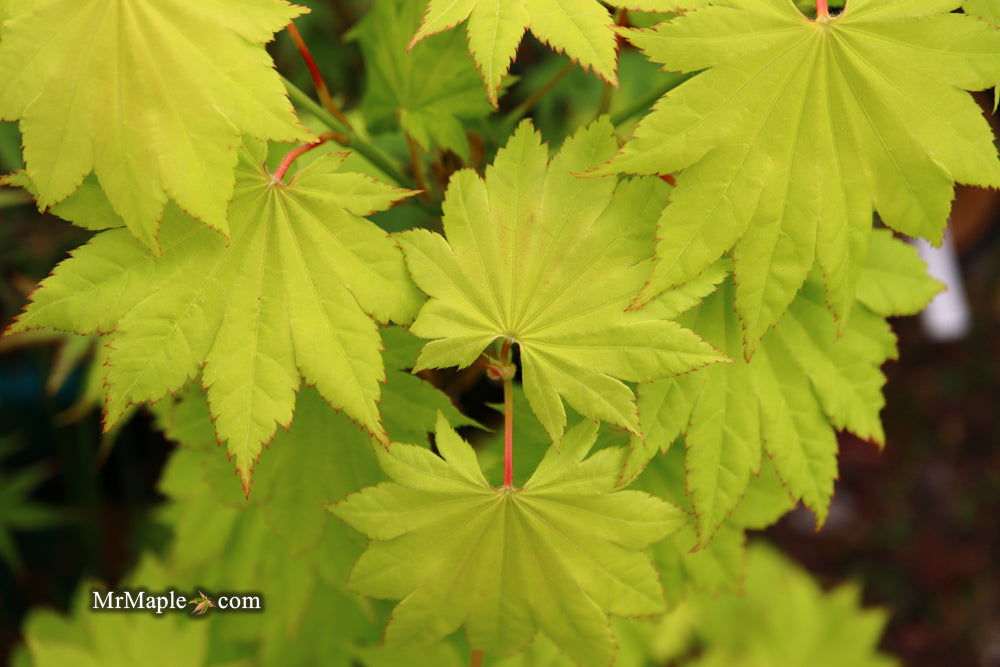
508 423
321 89
822 9
294 154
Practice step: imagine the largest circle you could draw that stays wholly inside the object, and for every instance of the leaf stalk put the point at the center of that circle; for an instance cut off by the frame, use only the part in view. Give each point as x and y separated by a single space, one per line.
295 153
322 91
357 143
508 421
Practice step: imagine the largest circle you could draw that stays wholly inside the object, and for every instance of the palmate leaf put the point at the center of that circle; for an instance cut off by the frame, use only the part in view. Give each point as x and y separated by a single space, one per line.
294 291
557 555
428 89
581 28
536 256
798 128
133 93
806 381
782 617
110 639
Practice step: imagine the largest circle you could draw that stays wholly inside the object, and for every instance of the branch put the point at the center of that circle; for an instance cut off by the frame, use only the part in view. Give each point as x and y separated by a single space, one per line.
357 143
518 112
321 89
508 420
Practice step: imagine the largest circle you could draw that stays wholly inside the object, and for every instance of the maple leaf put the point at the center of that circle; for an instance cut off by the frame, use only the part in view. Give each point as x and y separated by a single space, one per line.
797 128
581 28
88 639
428 89
557 555
807 380
782 617
293 291
131 93
538 257
988 10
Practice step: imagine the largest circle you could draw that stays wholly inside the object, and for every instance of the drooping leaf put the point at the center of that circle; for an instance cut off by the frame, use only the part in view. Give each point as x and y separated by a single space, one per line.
557 555
151 96
581 28
893 280
294 291
798 128
428 89
686 564
541 258
806 381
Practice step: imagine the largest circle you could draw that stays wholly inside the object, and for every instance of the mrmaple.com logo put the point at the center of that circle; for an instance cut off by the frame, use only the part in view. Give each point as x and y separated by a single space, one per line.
158 603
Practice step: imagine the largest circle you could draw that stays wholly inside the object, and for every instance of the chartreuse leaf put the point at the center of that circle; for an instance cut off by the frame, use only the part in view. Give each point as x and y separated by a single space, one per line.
893 279
988 10
294 291
280 542
536 256
109 639
428 89
783 617
580 28
797 128
556 556
132 93
684 563
807 380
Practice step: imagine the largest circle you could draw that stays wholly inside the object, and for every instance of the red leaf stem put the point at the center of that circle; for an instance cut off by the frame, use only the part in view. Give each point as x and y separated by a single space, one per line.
294 154
508 422
321 89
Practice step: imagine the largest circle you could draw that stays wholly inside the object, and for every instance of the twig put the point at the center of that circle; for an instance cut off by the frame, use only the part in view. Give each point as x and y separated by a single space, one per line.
321 89
518 112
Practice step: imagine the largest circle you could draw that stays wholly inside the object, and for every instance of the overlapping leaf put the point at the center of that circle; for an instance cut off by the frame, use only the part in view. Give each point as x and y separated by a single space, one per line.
536 256
988 10
557 555
798 128
805 381
581 28
133 93
428 89
294 291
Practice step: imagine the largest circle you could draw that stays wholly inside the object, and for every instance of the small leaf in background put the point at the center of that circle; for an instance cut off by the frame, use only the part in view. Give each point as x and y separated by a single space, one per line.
580 28
429 89
783 617
18 512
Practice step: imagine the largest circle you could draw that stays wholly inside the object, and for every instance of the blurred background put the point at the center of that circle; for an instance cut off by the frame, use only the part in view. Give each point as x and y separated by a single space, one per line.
918 524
